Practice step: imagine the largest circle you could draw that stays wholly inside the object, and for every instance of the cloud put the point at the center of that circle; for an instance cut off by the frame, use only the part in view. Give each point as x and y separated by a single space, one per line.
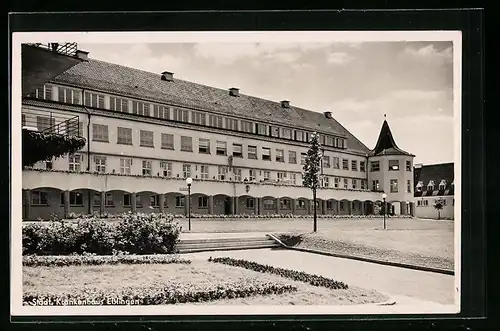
429 52
338 58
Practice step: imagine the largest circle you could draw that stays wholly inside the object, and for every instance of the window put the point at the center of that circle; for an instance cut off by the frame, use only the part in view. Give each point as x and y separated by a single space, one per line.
303 158
181 115
394 186
301 204
340 143
39 198
125 166
44 123
363 184
419 186
237 150
186 170
430 186
252 152
345 164
180 201
93 100
161 112
204 146
140 108
442 185
186 144
281 175
247 126
109 201
393 165
354 183
48 165
237 175
267 175
336 162
346 183
326 161
329 141
100 132
336 182
266 153
221 148
285 203
222 173
76 199
68 95
408 165
280 155
362 166
375 185
262 129
326 181
286 133
299 135
124 136
252 175
275 131
322 139
100 163
408 186
215 121
203 202
292 157
354 165
147 168
44 92
200 118
127 199
204 172
146 138
268 203
167 141
293 179
96 200
75 162
375 166
167 168
250 202
118 104
154 200
231 124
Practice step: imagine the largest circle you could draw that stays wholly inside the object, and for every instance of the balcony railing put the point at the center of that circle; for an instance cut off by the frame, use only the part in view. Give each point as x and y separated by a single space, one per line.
48 122
68 49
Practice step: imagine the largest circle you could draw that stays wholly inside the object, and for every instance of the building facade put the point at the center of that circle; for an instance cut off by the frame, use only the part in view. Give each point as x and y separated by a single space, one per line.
434 184
146 133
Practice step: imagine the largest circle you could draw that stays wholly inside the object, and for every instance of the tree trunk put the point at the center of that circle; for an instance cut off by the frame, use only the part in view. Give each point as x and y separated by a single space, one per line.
439 215
315 225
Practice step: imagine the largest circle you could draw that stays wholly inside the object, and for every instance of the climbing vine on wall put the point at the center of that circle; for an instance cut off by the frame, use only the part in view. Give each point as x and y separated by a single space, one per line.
37 146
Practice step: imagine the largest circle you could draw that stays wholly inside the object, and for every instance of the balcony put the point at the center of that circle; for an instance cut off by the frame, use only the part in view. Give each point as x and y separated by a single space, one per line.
49 122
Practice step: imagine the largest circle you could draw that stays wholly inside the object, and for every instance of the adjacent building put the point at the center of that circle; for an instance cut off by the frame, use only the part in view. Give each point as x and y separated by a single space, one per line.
147 132
434 184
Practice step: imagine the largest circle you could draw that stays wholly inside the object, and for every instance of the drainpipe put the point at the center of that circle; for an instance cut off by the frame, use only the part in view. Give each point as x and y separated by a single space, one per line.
89 195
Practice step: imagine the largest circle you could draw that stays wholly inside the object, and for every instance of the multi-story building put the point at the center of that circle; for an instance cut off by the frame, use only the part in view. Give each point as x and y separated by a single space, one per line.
434 183
146 133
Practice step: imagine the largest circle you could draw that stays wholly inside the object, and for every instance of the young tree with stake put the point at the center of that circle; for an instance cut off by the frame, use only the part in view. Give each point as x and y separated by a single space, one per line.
312 171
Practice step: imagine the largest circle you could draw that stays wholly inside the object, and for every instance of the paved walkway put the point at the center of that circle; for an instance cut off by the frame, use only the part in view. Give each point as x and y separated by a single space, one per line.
215 235
410 286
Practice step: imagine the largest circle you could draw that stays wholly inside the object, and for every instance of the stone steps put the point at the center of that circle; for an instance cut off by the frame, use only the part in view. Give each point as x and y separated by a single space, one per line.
218 244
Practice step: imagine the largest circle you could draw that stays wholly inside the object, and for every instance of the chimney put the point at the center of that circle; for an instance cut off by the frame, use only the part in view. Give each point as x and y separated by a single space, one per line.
418 165
82 55
285 104
328 114
167 76
235 92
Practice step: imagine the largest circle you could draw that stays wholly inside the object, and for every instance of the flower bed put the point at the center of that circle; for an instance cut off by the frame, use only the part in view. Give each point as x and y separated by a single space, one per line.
301 276
74 260
133 233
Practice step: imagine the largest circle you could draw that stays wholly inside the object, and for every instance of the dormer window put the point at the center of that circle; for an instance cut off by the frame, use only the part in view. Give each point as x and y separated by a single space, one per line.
430 186
442 185
419 186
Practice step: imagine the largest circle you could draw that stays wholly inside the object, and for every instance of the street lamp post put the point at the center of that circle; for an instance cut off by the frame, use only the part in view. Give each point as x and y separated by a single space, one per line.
189 181
384 196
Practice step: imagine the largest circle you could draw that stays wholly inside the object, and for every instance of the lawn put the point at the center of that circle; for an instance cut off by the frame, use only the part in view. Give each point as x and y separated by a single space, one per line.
133 280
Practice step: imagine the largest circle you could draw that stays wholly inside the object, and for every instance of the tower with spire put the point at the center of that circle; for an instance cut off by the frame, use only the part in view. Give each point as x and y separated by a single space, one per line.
391 171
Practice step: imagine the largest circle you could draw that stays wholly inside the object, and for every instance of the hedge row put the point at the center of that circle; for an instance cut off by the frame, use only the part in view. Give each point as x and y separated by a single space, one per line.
170 294
133 233
300 276
77 260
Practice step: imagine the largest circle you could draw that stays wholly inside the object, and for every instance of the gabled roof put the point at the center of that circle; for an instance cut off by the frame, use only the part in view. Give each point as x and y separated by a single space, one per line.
436 173
386 144
117 79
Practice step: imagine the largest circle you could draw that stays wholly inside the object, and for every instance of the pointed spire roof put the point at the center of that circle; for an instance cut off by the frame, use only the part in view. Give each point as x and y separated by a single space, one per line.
386 144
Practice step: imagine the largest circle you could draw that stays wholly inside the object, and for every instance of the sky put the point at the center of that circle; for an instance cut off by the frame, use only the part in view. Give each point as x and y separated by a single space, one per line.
359 82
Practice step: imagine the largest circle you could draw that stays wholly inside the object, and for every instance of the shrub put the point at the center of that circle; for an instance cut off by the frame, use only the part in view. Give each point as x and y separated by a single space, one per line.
300 276
88 259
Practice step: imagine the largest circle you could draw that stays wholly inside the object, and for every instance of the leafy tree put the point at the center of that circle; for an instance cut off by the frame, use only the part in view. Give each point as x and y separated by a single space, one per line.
439 206
39 146
312 170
